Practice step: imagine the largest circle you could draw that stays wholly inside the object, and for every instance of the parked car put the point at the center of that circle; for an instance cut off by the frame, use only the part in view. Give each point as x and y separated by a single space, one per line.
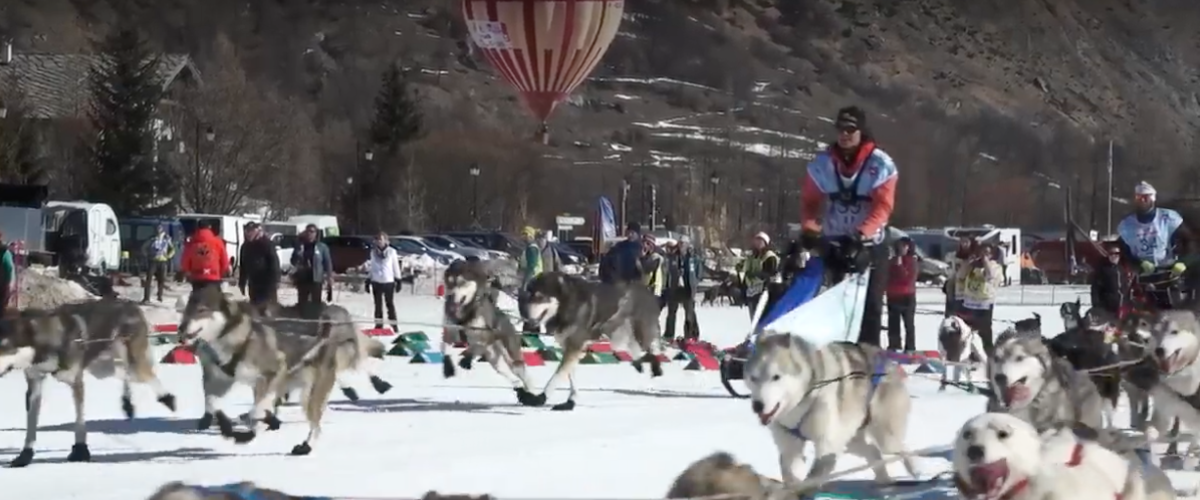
583 248
568 255
347 252
414 246
449 244
495 254
492 240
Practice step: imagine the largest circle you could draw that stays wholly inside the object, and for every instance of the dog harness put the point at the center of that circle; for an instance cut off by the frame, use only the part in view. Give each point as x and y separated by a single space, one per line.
881 365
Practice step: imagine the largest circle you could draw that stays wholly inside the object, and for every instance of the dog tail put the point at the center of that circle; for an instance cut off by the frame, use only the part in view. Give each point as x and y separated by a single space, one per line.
1037 316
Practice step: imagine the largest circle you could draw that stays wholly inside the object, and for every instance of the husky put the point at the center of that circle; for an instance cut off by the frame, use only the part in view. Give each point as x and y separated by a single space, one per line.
962 348
1001 456
843 397
471 309
1038 387
1029 325
236 344
1174 346
1071 314
1090 350
323 321
720 474
105 338
578 312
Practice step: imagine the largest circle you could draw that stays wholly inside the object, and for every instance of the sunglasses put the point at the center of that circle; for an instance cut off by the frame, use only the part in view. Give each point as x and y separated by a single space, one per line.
1143 197
848 130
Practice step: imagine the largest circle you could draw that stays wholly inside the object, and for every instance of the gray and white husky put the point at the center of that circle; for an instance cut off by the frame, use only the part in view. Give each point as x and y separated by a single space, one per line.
843 397
471 309
105 338
1174 346
962 349
1034 385
236 344
579 312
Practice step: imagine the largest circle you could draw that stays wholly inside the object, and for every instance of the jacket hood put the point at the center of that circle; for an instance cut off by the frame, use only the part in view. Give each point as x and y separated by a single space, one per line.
204 234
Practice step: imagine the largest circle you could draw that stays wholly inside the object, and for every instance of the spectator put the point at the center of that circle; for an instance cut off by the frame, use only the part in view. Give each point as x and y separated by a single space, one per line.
312 266
1109 283
652 265
159 251
551 261
258 268
683 278
622 262
902 296
8 275
976 284
205 261
760 272
383 268
531 261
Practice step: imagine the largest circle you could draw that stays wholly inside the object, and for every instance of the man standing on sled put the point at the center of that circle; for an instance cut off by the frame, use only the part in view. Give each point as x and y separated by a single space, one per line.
847 199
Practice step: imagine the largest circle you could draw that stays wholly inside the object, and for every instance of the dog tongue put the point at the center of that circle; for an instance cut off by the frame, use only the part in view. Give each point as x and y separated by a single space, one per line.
1015 392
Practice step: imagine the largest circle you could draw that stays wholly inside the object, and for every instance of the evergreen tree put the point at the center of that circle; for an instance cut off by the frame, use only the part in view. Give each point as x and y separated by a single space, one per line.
19 162
398 119
125 92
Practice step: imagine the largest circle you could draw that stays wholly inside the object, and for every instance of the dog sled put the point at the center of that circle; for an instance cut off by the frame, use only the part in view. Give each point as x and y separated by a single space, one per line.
830 316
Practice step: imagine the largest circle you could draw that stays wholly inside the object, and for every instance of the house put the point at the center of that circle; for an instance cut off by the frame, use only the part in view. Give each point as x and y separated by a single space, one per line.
55 86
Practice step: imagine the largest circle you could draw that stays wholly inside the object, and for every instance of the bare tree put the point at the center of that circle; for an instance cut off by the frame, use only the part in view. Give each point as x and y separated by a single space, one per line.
239 137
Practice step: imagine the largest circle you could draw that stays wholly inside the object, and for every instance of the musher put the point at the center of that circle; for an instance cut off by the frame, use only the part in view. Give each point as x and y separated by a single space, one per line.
856 183
1149 235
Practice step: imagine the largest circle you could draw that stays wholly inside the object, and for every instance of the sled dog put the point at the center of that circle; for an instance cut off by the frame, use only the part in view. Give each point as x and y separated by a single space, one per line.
1029 325
1174 346
236 344
1001 456
105 338
1132 339
1038 387
721 474
843 397
1071 314
1088 350
329 320
962 348
578 312
472 311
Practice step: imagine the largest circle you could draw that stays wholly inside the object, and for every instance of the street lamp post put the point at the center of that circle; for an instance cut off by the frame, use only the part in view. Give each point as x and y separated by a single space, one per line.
198 186
714 179
474 171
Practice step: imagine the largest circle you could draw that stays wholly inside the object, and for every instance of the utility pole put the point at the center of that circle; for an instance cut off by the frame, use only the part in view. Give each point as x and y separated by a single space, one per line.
1109 227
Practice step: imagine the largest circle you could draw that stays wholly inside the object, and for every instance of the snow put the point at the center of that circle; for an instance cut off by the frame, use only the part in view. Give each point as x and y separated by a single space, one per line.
463 435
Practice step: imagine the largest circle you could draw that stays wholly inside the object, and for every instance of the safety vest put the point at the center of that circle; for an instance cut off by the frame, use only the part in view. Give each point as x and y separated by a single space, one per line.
752 266
653 277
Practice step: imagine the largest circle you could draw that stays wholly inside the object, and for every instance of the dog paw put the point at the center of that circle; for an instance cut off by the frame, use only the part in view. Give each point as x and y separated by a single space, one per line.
527 398
24 458
224 424
637 365
301 449
205 422
167 400
567 405
350 393
127 406
243 437
466 362
381 386
447 367
79 453
273 422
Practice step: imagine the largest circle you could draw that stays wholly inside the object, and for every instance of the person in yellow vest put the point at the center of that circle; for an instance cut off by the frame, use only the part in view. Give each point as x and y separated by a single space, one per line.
975 287
652 267
531 259
760 271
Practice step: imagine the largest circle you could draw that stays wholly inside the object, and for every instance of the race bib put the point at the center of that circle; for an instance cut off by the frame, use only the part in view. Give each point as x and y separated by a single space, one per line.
844 218
976 283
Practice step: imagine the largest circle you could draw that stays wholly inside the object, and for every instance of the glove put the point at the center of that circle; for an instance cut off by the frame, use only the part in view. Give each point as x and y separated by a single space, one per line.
1178 269
1147 267
810 239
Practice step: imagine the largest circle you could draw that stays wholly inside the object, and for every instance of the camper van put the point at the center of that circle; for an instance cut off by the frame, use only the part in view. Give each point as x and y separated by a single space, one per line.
1009 237
227 227
83 231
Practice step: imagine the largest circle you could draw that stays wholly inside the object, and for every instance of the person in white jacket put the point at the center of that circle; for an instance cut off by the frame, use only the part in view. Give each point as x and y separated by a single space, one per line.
383 272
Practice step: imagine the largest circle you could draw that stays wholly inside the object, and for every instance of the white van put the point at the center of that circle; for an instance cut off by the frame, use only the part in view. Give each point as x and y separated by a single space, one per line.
226 227
90 228
328 224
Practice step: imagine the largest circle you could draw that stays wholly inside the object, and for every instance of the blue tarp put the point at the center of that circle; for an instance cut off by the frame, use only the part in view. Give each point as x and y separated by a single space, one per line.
831 316
804 288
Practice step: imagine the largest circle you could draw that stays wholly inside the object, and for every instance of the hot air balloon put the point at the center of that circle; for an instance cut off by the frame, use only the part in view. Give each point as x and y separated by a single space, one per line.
543 48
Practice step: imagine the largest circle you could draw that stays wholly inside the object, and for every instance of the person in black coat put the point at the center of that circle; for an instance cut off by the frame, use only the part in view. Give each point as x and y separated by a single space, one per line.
1110 283
258 267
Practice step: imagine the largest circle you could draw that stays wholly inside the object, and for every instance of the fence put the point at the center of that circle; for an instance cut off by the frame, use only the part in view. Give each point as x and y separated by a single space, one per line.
1019 295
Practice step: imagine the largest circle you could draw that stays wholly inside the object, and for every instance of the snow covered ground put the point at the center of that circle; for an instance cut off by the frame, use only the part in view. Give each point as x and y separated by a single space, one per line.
628 438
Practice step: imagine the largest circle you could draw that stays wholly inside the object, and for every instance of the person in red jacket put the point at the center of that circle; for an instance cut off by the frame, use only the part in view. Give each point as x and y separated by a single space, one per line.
205 261
902 296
